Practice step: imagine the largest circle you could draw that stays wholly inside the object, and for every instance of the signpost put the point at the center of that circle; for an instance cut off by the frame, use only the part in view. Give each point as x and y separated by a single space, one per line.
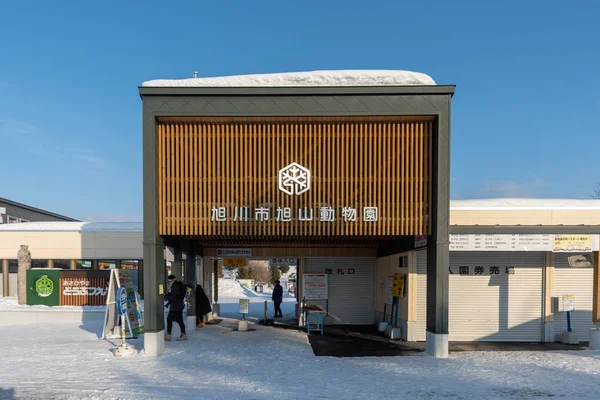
244 307
121 279
122 300
568 306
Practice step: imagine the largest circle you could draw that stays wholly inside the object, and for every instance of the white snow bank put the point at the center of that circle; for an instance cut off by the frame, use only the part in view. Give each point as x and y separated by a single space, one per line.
230 288
12 304
525 204
306 79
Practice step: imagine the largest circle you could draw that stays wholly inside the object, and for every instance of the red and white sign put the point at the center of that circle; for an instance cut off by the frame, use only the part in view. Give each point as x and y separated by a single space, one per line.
314 286
420 241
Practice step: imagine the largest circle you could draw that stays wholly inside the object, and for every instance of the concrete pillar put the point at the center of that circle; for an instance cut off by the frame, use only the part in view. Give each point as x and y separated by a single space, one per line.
596 290
595 332
154 299
548 290
176 265
438 242
190 279
216 306
4 278
411 293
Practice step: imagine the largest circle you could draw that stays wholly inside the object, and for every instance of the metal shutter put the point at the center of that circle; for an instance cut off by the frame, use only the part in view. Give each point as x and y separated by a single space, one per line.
576 281
351 297
489 307
421 294
496 307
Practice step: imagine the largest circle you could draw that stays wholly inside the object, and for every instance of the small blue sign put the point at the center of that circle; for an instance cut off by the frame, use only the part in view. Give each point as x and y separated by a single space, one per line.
122 300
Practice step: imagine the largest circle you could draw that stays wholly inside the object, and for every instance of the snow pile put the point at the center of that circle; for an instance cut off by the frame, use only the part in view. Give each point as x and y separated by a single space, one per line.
217 362
304 79
525 204
231 288
12 304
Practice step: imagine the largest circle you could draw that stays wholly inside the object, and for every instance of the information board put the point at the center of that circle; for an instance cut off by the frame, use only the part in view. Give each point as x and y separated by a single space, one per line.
315 286
568 302
573 243
512 242
244 306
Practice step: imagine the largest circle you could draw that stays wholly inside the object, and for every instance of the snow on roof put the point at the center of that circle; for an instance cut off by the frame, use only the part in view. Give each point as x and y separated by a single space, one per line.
525 204
63 226
308 79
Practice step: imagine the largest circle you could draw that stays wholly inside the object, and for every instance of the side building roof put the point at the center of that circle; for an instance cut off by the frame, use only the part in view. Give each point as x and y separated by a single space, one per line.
37 210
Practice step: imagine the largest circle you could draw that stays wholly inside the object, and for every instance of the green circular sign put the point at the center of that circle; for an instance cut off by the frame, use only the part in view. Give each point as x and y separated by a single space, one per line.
44 286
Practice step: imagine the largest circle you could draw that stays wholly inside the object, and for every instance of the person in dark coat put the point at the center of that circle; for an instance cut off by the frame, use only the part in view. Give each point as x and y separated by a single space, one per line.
277 298
175 301
202 306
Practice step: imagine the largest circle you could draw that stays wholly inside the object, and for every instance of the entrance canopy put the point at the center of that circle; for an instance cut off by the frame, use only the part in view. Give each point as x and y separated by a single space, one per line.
343 159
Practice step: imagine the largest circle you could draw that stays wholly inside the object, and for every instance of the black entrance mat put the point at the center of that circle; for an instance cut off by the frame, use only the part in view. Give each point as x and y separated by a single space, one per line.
346 343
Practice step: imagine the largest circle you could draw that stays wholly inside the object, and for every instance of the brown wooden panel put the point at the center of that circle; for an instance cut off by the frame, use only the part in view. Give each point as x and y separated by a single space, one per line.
83 288
210 166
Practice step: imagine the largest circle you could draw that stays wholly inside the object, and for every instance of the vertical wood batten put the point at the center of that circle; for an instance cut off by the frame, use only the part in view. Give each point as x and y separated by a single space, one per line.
385 164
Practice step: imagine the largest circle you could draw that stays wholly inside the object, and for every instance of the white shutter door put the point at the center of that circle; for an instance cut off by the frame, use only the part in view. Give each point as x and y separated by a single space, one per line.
578 282
351 296
496 307
421 294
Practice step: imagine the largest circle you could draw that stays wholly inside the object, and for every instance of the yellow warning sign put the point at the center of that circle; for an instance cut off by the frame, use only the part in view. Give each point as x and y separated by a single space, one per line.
398 285
234 262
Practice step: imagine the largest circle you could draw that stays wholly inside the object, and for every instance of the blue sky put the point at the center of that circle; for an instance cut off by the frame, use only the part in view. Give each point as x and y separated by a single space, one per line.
525 111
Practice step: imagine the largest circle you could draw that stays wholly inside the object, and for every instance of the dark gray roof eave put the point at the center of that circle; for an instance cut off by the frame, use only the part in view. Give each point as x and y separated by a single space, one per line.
297 90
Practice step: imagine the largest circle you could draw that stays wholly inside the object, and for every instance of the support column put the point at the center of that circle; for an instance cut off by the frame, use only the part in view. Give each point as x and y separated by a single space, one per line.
548 292
595 333
154 249
154 299
411 293
176 265
4 278
216 306
438 244
190 279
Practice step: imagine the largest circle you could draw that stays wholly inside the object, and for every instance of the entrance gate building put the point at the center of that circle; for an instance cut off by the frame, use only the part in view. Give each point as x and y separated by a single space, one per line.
307 172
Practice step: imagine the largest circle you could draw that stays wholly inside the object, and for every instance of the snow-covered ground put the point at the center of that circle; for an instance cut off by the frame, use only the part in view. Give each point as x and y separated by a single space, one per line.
230 292
69 361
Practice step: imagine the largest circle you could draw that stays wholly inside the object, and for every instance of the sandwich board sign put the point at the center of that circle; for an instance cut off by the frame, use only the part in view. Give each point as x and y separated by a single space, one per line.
121 297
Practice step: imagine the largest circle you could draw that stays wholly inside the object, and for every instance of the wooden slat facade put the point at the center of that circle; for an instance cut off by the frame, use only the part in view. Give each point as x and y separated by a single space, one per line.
209 163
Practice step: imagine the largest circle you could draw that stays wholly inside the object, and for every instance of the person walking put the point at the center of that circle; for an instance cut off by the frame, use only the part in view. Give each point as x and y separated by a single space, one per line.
202 306
277 298
175 298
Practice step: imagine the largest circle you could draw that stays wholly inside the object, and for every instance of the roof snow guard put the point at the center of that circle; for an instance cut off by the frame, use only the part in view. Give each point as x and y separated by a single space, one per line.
349 78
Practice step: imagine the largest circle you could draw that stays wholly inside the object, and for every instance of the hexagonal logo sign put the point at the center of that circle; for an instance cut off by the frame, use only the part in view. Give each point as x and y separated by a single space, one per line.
294 179
44 286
